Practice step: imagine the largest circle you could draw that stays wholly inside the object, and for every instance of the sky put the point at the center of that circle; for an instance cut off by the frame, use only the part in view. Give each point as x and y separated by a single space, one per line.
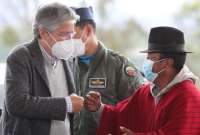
148 13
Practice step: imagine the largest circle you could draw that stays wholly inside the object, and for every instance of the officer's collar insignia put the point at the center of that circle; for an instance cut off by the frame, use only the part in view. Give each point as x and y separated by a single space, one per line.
130 71
97 82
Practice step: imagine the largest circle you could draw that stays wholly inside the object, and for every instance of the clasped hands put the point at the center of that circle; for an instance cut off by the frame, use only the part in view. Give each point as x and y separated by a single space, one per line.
92 102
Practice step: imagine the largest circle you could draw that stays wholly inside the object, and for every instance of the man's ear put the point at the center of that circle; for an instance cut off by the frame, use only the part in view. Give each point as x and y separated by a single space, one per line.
90 30
87 32
170 62
42 32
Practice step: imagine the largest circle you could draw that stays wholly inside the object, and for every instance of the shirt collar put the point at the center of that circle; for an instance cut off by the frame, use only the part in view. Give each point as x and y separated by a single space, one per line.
48 58
86 59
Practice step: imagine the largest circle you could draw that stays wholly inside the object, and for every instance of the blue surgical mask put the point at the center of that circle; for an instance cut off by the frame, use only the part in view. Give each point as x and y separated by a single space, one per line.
147 70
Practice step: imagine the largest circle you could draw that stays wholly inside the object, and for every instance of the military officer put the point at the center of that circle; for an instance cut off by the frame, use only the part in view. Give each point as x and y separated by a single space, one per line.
99 69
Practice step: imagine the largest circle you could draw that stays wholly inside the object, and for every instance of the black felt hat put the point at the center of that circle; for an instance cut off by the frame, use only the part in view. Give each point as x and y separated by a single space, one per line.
165 40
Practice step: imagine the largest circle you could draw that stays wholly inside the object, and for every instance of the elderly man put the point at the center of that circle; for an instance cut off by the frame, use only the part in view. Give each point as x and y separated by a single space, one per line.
168 105
109 73
38 81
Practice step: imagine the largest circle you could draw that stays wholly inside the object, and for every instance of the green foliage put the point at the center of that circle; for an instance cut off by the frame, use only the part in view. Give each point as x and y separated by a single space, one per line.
9 36
122 38
102 7
189 8
190 12
119 37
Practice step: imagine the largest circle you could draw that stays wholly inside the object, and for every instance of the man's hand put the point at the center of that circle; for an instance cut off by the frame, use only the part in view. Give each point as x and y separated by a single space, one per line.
126 131
93 101
77 102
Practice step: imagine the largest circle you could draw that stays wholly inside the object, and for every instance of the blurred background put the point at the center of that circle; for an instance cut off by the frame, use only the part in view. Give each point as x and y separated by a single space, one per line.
122 25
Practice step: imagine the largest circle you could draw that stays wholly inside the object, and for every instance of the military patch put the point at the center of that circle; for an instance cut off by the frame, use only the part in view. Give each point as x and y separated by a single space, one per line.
130 71
97 82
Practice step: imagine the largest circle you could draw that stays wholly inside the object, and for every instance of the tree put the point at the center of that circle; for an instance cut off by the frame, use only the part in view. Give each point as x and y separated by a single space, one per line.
189 18
122 35
17 20
9 35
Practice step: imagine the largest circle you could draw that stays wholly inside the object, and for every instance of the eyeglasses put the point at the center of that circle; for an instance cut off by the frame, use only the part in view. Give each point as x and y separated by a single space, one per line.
157 61
66 35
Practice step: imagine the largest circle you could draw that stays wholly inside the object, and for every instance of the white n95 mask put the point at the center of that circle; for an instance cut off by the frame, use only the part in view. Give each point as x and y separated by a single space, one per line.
79 47
63 49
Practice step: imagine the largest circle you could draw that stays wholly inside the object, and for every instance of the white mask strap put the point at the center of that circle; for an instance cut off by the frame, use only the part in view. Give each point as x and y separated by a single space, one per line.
46 43
52 36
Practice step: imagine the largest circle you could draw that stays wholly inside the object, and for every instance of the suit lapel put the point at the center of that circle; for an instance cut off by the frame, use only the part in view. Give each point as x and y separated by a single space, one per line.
69 76
38 60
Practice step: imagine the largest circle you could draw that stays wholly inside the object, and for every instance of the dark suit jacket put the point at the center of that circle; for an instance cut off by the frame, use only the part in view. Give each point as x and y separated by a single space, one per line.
29 107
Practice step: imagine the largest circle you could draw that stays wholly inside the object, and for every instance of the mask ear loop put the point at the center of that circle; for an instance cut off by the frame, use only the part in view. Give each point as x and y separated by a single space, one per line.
52 61
163 68
41 27
85 42
52 36
46 44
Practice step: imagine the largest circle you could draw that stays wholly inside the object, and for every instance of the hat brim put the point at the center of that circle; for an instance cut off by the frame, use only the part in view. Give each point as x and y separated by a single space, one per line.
159 51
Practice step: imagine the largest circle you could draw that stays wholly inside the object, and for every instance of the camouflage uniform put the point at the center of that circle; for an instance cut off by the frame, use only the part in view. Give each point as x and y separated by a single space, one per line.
110 74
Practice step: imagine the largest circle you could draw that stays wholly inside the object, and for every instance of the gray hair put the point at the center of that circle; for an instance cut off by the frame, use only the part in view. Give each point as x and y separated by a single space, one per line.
52 15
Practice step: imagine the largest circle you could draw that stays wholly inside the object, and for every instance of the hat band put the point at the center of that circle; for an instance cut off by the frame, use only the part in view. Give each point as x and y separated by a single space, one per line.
166 48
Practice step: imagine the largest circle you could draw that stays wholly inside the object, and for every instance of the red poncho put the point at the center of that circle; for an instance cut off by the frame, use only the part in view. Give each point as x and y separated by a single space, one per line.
177 113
